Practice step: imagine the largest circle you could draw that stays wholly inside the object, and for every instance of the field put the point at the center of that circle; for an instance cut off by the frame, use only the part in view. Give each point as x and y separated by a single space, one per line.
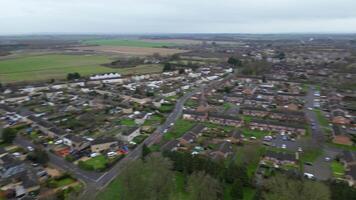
128 43
131 50
57 66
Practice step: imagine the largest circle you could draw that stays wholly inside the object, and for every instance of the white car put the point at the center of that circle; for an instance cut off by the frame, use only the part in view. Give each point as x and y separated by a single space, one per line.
93 155
30 148
165 130
309 175
171 124
300 149
284 146
111 154
327 159
58 142
310 108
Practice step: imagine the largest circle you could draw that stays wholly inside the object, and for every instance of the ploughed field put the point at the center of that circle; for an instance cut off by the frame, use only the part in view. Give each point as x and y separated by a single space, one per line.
57 66
128 43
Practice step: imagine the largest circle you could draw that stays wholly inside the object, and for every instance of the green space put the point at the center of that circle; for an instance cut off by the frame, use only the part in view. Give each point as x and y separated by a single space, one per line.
321 118
112 191
311 155
139 139
191 103
127 122
166 108
153 120
247 118
97 163
338 169
57 66
127 43
180 127
342 146
60 182
255 133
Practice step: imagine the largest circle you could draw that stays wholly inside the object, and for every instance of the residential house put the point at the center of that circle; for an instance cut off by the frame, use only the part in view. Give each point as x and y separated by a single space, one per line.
225 149
104 144
76 142
129 134
279 158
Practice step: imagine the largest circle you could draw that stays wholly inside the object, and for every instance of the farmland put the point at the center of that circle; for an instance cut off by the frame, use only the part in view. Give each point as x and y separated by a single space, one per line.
128 43
56 66
131 50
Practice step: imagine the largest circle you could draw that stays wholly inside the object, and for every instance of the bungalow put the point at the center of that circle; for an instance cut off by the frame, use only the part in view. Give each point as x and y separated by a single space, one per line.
277 126
224 120
235 136
191 135
341 120
104 144
348 158
195 116
350 175
279 158
130 134
224 150
171 145
75 142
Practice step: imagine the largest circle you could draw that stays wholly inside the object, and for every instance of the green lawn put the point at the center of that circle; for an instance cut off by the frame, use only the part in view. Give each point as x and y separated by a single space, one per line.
139 139
127 122
165 108
112 191
341 146
57 66
127 43
98 163
255 133
338 169
153 120
64 182
321 118
311 156
180 127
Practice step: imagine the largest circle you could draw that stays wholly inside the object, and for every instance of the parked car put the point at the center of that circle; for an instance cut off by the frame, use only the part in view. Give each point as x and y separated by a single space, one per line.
309 176
30 148
111 154
93 155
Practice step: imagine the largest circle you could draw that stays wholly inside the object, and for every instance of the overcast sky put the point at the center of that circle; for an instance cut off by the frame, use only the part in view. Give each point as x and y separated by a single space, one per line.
177 16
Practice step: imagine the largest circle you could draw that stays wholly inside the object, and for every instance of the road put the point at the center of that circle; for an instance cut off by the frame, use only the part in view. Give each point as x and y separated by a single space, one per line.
94 182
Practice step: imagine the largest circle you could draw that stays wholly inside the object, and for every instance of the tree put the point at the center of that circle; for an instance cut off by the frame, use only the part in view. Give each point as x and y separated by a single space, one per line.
151 179
203 187
237 190
8 135
167 67
341 191
281 187
38 156
73 76
181 71
145 150
234 61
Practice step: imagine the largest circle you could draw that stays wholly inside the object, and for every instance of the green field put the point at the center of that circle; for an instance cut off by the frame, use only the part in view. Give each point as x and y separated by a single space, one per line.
127 43
45 67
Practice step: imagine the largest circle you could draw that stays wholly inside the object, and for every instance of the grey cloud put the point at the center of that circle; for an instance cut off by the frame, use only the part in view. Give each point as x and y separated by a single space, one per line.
160 16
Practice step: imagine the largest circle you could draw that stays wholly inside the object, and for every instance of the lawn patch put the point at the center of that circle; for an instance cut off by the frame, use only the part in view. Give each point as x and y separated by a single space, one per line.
97 163
127 122
338 169
323 121
180 127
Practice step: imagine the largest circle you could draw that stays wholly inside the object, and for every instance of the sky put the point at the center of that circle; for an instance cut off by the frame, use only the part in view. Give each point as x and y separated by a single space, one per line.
177 16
